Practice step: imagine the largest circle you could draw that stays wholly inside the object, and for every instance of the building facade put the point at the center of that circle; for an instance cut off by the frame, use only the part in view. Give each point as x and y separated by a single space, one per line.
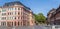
16 14
53 17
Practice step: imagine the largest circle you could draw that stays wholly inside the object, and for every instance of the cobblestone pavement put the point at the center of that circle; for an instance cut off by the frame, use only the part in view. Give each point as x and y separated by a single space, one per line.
26 27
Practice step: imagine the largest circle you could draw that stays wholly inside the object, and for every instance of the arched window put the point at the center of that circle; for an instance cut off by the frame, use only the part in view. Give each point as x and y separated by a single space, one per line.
12 23
15 23
18 23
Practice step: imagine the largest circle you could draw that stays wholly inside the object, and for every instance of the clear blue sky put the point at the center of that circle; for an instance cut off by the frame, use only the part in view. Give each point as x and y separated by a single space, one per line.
37 6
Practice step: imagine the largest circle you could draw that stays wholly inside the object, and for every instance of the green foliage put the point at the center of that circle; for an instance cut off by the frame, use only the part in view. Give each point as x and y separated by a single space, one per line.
40 17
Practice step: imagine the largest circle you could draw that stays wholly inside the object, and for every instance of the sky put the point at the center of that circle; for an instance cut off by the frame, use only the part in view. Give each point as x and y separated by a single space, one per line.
37 6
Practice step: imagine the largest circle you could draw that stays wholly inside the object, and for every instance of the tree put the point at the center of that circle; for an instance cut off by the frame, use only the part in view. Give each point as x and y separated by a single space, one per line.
40 18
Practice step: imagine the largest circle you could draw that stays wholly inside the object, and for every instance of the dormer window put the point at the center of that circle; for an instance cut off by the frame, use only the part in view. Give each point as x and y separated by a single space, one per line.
15 5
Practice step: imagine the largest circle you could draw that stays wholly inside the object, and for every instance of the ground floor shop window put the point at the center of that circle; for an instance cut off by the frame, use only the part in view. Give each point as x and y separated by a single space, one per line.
3 23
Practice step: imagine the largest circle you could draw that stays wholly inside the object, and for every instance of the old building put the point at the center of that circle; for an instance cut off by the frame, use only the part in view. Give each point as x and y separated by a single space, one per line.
16 14
53 17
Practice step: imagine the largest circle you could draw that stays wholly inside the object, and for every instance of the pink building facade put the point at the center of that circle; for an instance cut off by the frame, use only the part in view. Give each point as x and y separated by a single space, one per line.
16 14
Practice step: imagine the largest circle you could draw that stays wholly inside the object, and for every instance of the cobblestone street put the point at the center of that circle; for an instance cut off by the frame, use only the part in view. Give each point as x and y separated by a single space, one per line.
26 27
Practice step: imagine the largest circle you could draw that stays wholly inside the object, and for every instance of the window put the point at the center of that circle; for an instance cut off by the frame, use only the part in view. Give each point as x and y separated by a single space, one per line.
10 13
32 21
9 23
18 23
13 8
27 22
15 17
3 14
3 10
10 18
0 11
15 13
21 23
12 23
10 9
15 23
21 18
24 22
3 18
18 13
18 8
18 17
3 23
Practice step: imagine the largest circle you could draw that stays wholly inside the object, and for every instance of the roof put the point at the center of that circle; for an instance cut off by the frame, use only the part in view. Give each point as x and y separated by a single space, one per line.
17 3
51 11
54 11
13 3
